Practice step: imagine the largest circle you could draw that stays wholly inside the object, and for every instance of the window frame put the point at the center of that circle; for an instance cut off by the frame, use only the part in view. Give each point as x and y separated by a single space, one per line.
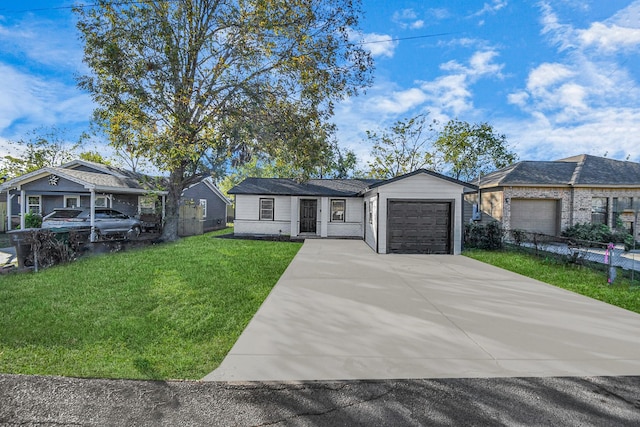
77 199
106 201
333 211
600 210
29 204
203 203
262 209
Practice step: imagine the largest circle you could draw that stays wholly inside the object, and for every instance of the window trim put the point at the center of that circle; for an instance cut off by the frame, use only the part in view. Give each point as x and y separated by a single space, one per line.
77 198
272 209
344 210
604 213
106 201
203 203
29 205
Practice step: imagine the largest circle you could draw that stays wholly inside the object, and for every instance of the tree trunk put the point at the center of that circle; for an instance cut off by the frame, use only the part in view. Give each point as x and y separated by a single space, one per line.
172 207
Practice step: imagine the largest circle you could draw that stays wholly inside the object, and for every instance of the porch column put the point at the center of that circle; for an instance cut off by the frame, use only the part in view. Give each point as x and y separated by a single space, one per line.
93 215
9 197
324 217
23 205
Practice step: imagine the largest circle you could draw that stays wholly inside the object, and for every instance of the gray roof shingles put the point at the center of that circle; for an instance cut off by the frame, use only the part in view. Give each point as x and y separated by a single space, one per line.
582 170
312 187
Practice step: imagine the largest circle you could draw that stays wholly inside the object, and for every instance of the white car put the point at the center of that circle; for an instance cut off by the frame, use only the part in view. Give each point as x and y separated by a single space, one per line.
108 222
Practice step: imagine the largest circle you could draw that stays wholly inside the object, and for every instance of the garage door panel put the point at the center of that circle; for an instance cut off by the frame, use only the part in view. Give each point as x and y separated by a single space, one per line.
535 215
419 227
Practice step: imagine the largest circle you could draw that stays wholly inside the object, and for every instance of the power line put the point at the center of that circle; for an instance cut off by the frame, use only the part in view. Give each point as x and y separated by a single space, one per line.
425 36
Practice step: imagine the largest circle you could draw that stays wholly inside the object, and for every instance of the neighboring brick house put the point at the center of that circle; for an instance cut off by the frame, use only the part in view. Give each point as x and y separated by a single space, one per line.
549 196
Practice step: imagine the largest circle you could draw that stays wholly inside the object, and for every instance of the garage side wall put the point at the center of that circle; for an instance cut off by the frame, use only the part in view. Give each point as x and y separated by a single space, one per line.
248 221
418 187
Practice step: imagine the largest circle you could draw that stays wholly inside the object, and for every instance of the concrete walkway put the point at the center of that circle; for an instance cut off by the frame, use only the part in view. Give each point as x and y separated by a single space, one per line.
340 311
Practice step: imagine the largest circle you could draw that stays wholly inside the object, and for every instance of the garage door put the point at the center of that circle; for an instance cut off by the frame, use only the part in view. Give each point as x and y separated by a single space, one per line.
418 227
538 216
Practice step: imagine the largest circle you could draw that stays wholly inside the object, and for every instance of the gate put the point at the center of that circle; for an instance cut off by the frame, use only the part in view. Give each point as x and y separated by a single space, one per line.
190 222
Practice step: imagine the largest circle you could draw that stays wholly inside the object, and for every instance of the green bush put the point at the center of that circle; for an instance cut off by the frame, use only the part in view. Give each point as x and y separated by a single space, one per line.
32 220
599 233
480 236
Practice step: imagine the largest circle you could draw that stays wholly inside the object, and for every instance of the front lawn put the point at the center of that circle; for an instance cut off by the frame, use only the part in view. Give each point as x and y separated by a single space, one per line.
170 311
579 279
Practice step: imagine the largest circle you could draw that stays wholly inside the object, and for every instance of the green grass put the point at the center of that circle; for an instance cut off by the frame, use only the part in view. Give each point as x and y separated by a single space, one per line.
579 279
171 311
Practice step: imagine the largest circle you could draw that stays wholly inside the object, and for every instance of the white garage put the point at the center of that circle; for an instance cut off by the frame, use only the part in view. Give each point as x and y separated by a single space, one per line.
416 213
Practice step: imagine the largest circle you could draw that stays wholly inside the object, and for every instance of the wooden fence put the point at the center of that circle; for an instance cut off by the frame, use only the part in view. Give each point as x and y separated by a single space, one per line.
191 222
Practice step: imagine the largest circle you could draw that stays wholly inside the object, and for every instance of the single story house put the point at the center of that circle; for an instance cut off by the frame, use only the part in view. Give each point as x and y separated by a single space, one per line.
82 183
214 203
549 196
420 212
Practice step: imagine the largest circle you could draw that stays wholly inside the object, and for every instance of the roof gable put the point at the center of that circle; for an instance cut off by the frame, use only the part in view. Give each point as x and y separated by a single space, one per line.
426 172
208 183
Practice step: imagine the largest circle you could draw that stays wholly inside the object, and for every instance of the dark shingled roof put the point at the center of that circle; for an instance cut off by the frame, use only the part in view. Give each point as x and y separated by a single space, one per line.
582 170
312 187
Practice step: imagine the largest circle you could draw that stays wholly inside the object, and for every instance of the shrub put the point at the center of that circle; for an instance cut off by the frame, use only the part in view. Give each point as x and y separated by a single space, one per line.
599 233
480 236
32 220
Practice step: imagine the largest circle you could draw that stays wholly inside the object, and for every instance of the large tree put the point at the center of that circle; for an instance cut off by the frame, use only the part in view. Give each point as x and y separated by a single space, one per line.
220 77
470 150
402 148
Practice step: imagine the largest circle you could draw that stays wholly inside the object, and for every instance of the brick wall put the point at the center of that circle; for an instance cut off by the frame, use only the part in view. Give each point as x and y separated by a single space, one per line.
574 208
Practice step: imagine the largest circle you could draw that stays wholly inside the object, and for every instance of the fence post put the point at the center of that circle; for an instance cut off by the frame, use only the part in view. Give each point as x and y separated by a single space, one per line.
609 261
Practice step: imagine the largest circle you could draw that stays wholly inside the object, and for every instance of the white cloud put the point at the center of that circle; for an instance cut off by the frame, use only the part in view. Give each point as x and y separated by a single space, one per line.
610 38
439 13
547 74
492 7
399 102
612 130
407 18
378 44
31 102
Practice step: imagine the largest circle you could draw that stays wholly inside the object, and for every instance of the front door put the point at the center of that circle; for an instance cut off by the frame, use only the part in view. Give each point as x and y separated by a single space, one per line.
308 215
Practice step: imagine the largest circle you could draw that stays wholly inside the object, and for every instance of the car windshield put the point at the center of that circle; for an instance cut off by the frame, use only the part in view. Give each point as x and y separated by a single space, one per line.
65 214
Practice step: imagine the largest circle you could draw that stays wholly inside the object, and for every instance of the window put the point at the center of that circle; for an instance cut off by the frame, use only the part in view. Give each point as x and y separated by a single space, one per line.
337 210
34 204
203 203
147 204
71 201
266 209
599 210
102 202
621 204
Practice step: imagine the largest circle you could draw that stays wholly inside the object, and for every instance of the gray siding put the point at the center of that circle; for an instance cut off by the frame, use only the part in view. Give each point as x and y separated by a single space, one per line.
125 203
42 185
216 215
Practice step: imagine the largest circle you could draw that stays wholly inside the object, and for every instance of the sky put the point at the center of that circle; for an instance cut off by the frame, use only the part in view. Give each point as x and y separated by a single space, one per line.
557 77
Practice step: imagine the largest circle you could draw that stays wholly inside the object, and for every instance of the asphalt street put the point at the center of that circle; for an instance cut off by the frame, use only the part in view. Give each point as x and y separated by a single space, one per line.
586 401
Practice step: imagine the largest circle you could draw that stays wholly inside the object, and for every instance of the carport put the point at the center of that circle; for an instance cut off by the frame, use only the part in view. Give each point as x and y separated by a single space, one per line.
341 311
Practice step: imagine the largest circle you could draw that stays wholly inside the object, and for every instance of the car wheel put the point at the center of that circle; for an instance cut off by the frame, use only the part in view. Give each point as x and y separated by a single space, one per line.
134 233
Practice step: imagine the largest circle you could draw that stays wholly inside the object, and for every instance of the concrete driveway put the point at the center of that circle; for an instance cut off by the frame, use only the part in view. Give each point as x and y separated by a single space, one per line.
340 311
